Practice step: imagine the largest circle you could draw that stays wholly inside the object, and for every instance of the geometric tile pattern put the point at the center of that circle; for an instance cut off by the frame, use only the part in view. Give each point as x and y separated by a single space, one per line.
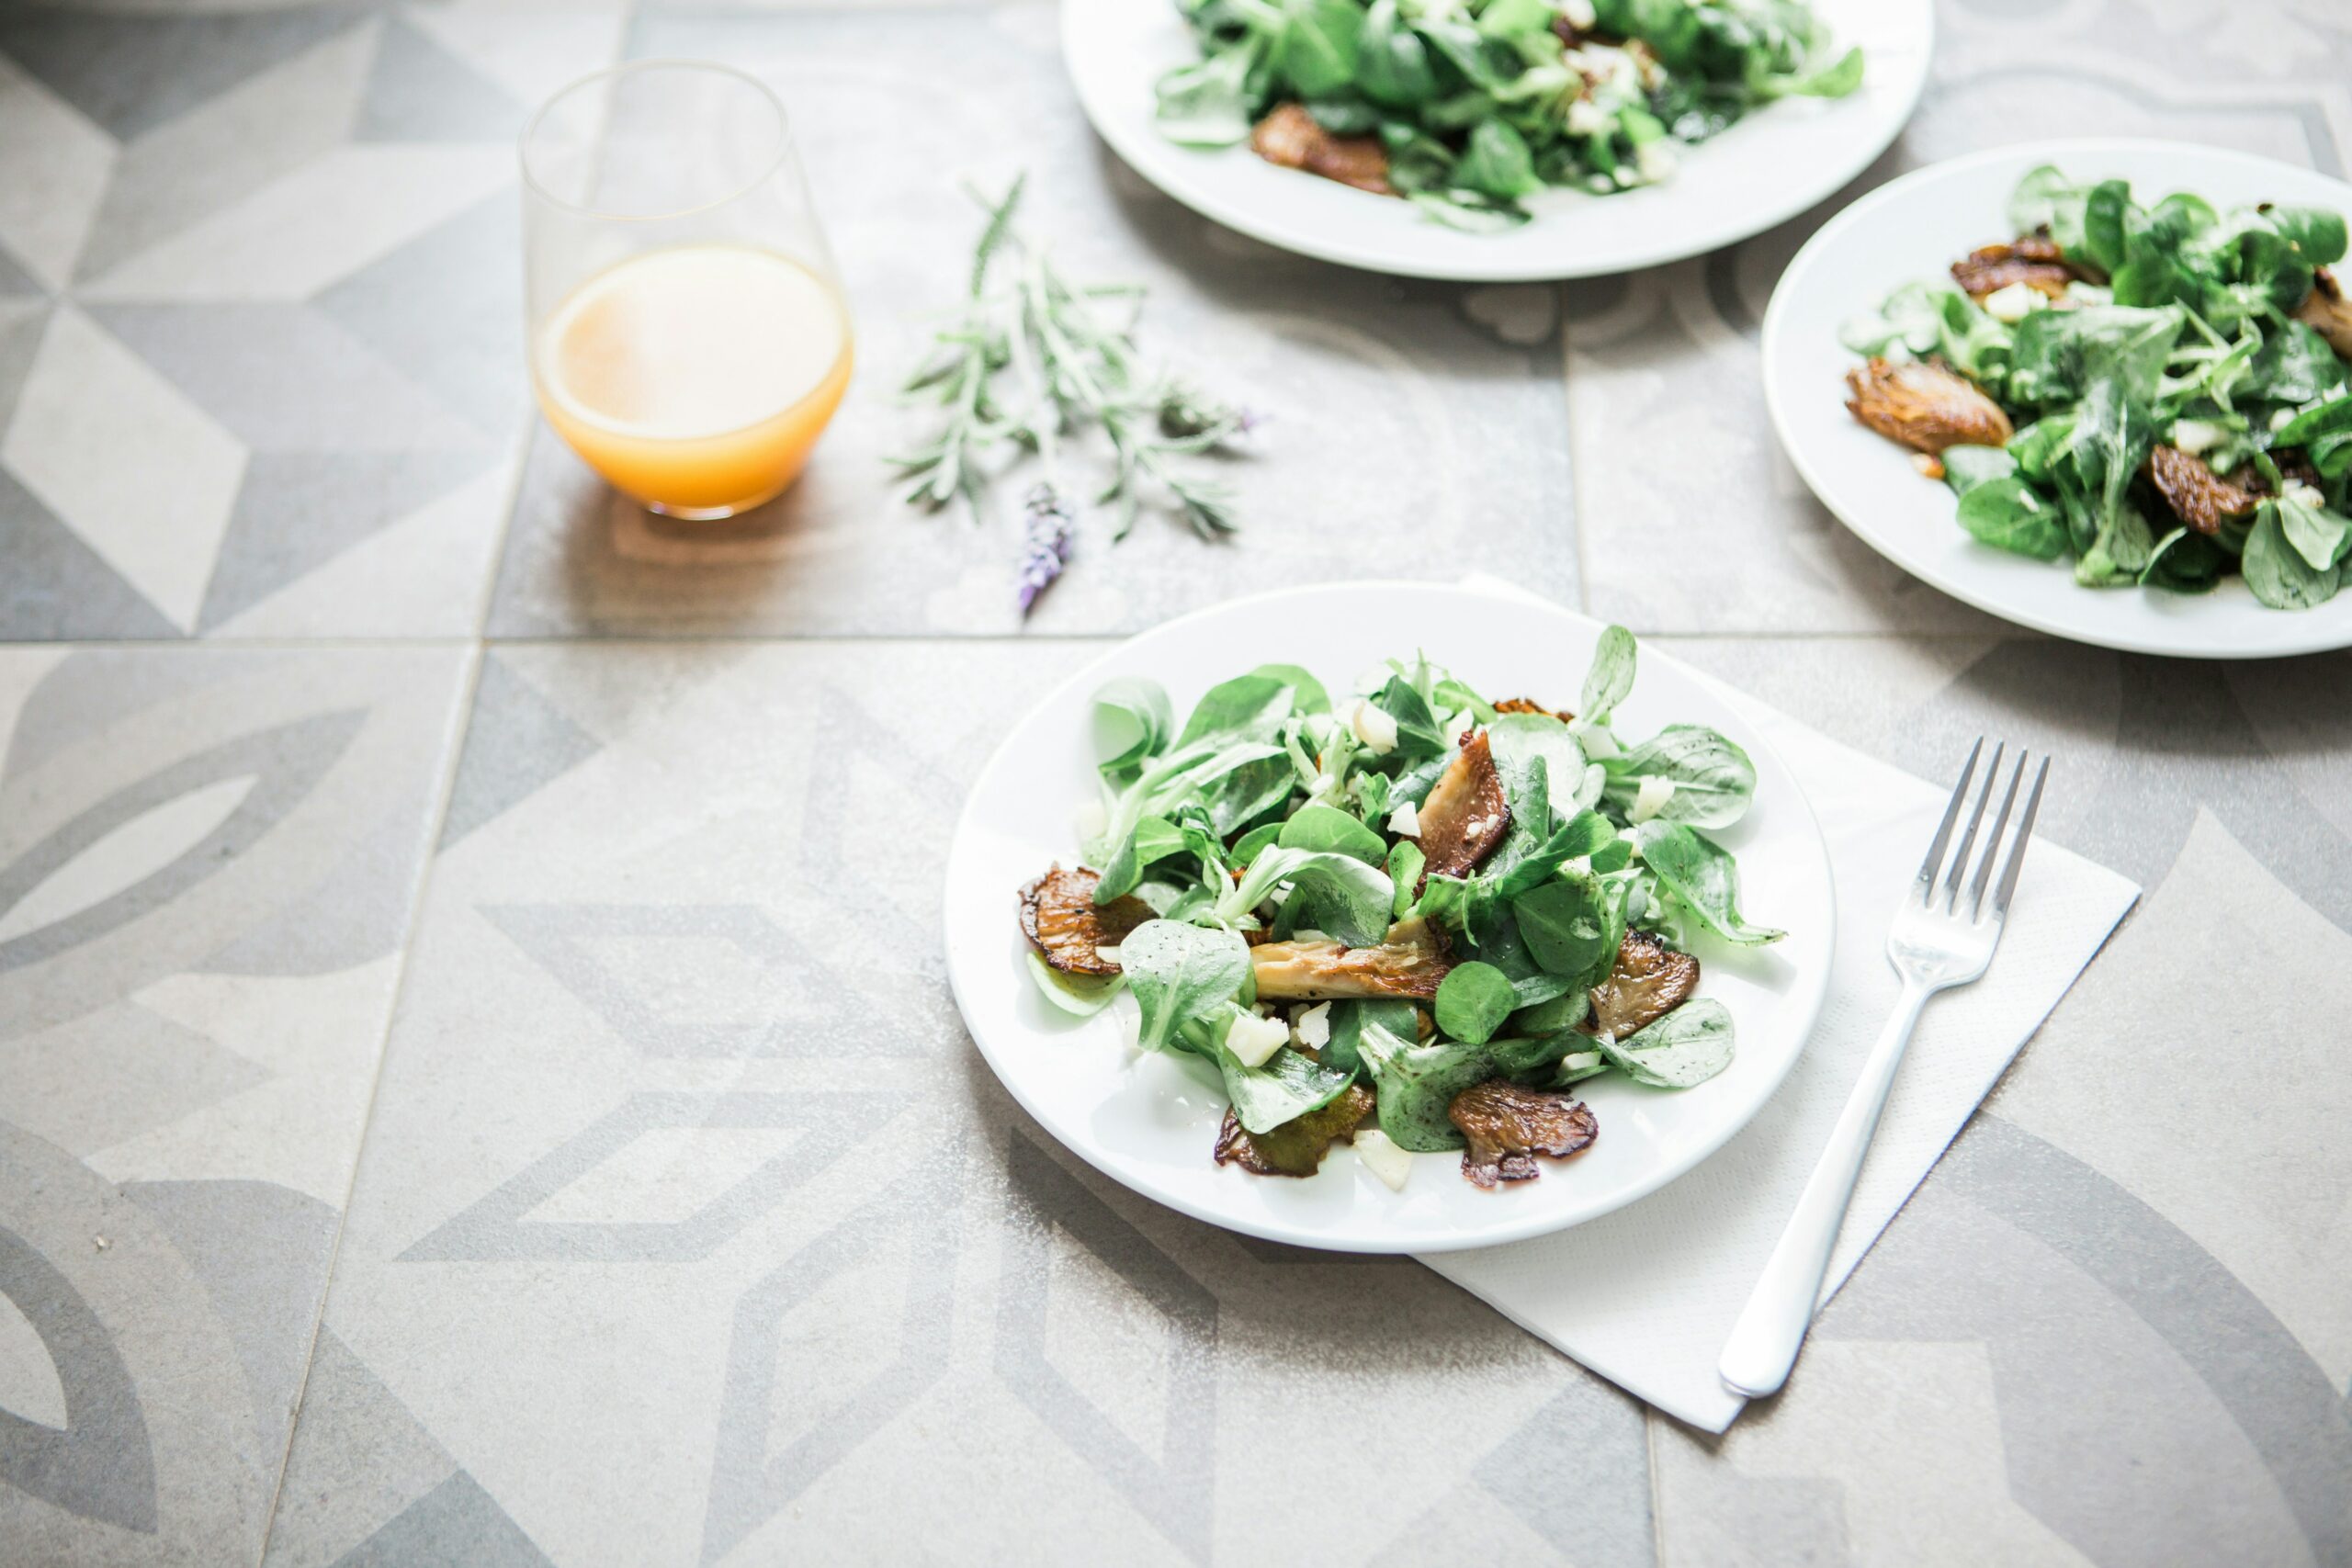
478 1082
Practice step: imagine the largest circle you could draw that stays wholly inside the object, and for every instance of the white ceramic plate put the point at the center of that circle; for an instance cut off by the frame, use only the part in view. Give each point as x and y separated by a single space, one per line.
1914 228
1147 1122
1769 167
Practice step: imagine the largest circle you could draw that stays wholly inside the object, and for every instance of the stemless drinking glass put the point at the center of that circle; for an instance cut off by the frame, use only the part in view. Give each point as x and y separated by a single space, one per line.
688 335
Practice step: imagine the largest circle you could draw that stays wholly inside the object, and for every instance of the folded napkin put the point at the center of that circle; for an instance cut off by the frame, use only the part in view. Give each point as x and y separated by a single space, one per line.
1647 1295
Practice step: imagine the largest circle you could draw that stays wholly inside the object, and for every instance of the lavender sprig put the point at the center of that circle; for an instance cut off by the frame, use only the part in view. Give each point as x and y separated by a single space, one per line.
1045 539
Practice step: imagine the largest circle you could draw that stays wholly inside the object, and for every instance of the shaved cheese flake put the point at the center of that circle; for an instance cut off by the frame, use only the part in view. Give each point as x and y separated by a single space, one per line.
1382 1156
1312 1027
1405 821
1252 1039
1651 799
1373 727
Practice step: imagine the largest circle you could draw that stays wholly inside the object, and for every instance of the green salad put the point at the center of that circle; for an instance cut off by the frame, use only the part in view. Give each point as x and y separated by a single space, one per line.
1469 106
2161 394
1410 919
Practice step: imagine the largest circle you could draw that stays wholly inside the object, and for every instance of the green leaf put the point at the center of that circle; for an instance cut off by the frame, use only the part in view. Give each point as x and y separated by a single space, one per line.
1247 707
1350 1017
1611 676
1713 779
1352 900
2317 232
1687 1046
2332 417
1406 861
2318 535
1965 468
1182 974
1286 1086
1132 721
1391 64
2186 561
1207 103
1573 924
2010 515
1414 1085
1319 827
1496 161
1081 996
1153 840
2278 572
1317 50
1307 694
1703 876
1472 1001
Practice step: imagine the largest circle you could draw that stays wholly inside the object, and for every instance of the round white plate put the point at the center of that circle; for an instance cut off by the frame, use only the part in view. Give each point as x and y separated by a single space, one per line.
1915 228
1770 166
1147 1121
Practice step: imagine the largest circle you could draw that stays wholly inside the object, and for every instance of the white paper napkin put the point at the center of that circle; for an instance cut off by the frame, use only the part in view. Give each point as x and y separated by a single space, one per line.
1646 1296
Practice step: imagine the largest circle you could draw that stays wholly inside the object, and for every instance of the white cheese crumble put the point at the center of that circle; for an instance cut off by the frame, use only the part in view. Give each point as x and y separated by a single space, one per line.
1596 741
1405 821
1579 15
1308 933
2014 303
2303 494
1372 727
1656 160
1312 1027
1651 799
2195 435
1586 118
1384 1158
1252 1039
1107 952
2283 418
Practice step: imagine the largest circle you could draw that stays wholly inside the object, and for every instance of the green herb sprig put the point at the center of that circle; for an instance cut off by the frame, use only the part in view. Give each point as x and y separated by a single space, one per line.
1031 363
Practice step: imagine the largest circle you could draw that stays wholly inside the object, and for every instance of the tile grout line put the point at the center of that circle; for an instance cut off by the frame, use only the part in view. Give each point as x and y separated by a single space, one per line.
1657 1510
525 438
453 737
1575 463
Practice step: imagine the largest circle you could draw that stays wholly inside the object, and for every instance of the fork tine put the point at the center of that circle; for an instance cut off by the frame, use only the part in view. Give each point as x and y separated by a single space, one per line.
1975 821
2017 850
1993 844
1935 860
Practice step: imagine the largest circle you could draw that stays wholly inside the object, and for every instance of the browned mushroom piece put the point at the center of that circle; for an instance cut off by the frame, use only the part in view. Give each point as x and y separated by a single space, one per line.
2035 261
1297 1146
2198 496
1291 138
1925 405
2327 313
1507 1126
1649 981
1529 705
1465 815
1069 928
1410 961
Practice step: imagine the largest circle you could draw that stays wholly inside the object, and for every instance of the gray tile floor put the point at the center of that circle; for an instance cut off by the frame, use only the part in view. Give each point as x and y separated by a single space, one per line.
445 1115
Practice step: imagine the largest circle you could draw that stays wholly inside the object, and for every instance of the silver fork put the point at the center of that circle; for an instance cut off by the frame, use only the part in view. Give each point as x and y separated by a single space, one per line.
1936 943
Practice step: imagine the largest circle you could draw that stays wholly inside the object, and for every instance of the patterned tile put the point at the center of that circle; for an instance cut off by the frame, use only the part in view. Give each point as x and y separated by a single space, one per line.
207 862
718 1160
1422 414
259 312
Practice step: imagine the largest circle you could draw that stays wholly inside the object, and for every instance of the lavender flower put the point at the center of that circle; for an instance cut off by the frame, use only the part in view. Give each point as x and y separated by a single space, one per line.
1046 539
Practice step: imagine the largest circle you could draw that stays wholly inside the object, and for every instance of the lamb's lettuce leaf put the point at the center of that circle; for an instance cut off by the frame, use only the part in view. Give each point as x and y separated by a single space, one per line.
1183 975
1703 878
1687 1046
1713 779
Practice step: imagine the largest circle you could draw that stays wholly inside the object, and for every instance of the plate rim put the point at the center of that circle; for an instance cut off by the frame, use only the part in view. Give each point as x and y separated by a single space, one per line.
1217 209
1773 335
1806 1002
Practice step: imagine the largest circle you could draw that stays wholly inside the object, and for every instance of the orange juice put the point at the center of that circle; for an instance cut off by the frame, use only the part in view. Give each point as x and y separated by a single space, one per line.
696 378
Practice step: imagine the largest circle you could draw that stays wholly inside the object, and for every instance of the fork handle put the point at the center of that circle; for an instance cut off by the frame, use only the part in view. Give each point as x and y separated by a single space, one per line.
1763 1343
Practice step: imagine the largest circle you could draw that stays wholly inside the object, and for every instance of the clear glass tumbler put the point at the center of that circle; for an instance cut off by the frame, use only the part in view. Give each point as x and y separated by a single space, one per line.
688 335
